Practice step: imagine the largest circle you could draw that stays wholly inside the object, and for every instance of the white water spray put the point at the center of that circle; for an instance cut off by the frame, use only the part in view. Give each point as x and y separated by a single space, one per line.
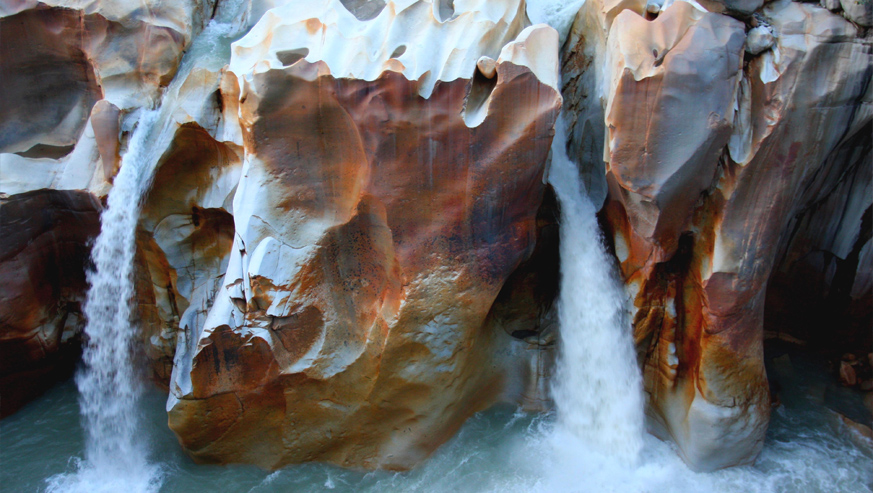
117 448
597 387
108 387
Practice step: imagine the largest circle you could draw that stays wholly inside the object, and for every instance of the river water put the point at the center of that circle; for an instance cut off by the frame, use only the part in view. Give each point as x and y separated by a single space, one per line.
595 442
807 450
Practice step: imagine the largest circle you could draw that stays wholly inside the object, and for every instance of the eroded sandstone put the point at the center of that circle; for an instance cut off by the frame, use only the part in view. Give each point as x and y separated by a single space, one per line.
717 163
59 57
43 255
388 192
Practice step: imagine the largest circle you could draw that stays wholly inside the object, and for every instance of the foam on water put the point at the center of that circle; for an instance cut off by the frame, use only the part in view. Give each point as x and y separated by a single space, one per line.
502 450
109 390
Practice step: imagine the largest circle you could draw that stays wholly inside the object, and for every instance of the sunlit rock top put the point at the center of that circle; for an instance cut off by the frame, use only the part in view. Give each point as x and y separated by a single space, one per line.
357 42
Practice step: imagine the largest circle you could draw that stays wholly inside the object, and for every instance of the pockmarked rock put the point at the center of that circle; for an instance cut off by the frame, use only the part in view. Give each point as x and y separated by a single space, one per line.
76 78
59 58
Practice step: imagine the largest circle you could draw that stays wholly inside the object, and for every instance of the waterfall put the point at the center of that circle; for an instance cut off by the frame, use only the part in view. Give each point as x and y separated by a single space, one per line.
597 387
117 447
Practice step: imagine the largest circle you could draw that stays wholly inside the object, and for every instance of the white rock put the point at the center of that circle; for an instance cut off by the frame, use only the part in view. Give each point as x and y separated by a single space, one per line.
858 11
759 40
832 5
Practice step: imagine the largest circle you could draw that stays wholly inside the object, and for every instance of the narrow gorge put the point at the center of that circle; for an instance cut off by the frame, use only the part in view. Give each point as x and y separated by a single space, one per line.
436 245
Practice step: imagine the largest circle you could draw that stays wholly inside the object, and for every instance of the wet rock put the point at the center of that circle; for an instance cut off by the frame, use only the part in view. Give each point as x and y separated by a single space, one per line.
734 7
847 374
858 11
698 230
185 235
832 5
59 58
759 39
389 190
654 7
43 256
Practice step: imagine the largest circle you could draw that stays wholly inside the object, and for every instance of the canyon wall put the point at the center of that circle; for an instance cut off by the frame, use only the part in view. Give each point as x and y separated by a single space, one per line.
348 247
76 75
732 151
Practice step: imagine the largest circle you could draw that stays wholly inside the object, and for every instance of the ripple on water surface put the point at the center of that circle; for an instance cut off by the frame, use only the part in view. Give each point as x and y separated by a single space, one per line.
807 450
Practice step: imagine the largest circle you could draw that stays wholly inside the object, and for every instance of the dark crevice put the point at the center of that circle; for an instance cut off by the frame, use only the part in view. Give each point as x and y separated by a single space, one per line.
478 93
290 57
399 51
47 151
364 10
524 306
446 10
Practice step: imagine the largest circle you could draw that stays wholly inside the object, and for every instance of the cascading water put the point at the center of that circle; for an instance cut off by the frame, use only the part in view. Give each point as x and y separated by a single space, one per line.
597 387
108 388
117 452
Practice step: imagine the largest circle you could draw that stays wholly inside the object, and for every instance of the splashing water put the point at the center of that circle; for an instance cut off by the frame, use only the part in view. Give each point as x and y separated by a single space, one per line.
108 387
597 387
117 448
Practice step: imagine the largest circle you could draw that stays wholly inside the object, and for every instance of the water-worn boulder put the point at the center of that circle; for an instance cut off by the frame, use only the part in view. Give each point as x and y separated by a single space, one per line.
184 241
716 161
75 76
858 11
59 57
43 255
393 170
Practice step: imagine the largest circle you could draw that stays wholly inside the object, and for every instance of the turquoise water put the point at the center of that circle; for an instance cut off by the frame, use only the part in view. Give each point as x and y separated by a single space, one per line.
807 450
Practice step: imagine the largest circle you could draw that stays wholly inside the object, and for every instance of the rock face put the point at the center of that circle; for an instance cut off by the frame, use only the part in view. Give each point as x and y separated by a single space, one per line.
59 57
43 255
389 189
184 241
721 167
75 76
858 11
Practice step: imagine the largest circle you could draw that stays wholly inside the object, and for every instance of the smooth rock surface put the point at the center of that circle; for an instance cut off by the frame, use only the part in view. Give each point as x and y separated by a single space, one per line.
43 254
59 57
858 11
185 238
832 5
389 189
705 188
759 39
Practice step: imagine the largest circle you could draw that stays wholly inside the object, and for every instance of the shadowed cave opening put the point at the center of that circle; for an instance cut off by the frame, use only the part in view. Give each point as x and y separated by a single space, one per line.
364 10
819 304
814 316
290 57
524 308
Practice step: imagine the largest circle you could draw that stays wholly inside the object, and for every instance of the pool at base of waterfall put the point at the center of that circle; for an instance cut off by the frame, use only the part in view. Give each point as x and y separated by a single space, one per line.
808 449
